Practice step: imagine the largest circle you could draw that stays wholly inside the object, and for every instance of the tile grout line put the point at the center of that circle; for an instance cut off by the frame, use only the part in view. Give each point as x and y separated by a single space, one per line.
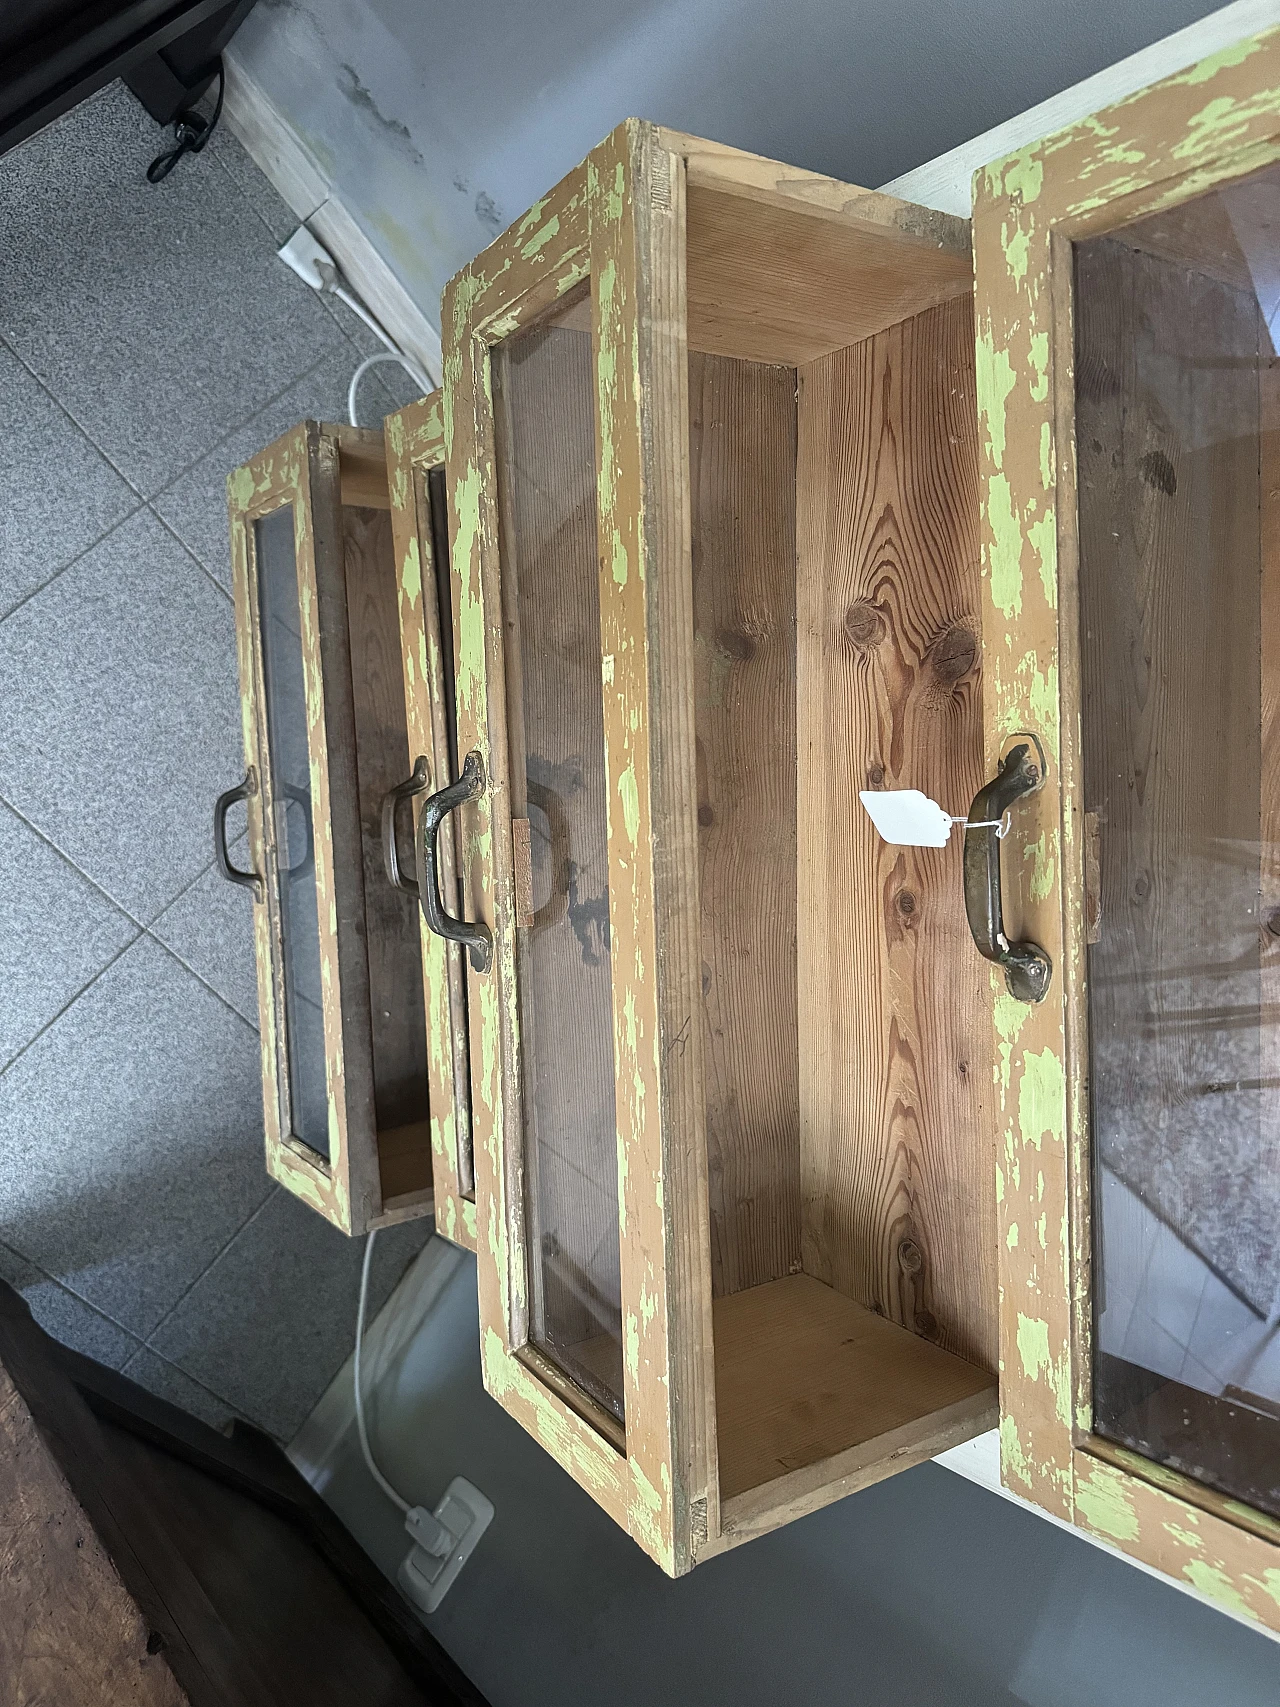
71 562
238 427
199 978
273 1187
199 562
50 1023
78 425
168 1362
55 1280
140 929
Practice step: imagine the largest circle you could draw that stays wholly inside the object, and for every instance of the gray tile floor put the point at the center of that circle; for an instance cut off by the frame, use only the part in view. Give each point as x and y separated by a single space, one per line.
149 341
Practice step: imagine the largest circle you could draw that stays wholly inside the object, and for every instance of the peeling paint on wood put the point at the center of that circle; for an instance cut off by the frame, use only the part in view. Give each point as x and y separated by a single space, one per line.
1216 121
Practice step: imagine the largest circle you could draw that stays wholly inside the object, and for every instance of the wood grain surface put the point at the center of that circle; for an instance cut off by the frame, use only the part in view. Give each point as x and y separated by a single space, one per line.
742 484
804 1373
70 1632
772 283
897 1162
382 761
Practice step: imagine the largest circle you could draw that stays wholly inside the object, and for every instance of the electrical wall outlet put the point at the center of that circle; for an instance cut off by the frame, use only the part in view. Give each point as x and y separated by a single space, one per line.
309 258
443 1542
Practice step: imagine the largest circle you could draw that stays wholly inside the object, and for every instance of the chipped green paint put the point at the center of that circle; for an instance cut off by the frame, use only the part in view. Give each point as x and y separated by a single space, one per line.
1222 121
995 381
467 494
1017 251
630 798
1039 385
1042 1097
648 1307
1208 68
1005 556
540 240
1040 854
1214 1583
1043 538
1103 1500
1042 1228
1048 479
1010 1016
1013 1456
1038 1359
241 487
532 218
631 1341
1011 1237
1022 175
1271 1583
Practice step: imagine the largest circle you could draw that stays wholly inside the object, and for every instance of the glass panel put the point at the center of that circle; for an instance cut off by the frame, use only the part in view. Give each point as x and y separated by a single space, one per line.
307 1114
1178 411
544 413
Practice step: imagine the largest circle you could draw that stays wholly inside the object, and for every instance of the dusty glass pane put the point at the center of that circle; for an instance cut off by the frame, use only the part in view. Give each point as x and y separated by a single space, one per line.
1178 406
544 414
307 1116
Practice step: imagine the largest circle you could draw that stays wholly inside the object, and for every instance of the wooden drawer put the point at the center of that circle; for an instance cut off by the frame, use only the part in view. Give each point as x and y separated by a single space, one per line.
1126 297
357 1061
715 510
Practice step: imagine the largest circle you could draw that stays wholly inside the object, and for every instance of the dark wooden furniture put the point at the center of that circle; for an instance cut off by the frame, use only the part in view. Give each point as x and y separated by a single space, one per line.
146 1558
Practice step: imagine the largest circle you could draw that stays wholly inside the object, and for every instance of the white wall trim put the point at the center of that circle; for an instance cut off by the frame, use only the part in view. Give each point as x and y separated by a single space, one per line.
945 182
290 167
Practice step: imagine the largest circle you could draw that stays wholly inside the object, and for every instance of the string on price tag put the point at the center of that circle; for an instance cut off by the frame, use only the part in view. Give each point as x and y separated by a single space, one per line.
908 819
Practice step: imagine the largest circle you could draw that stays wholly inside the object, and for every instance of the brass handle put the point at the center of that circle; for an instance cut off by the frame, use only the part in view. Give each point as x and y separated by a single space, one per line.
475 937
221 806
419 781
1027 968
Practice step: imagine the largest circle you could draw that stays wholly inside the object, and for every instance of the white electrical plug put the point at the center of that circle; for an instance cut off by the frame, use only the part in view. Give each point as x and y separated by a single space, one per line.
309 258
443 1541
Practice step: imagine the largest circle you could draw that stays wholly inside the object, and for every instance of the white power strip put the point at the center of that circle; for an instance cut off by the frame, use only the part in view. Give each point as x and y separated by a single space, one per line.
443 1542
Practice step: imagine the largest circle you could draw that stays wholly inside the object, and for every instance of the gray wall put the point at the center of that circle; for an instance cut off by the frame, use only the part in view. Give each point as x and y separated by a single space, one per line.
924 1591
439 122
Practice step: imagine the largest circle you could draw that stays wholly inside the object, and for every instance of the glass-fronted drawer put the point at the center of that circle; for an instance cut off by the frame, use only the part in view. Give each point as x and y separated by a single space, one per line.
714 501
347 1083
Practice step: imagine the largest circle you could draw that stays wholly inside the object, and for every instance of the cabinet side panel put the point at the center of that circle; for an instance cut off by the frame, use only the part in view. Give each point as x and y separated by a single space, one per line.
742 418
897 1163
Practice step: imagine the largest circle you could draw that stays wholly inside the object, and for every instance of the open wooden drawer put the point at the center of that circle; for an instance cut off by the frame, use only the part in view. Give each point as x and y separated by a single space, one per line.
714 499
1127 276
351 1089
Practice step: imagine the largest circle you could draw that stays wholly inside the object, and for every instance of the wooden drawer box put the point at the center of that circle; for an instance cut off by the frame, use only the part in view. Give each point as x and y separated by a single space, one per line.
358 1070
714 499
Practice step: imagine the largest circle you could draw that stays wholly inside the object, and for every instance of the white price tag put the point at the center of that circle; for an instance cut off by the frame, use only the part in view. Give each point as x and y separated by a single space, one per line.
908 819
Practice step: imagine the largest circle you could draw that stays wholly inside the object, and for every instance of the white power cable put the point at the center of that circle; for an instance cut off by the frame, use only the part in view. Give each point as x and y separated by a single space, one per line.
374 1471
388 355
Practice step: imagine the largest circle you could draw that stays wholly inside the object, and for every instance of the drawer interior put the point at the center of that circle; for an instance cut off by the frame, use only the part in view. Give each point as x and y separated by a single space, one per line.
392 932
846 1017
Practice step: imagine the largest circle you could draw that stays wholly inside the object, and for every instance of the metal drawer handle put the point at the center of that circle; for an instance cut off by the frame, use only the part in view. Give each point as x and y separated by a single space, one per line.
417 783
435 810
1027 968
221 806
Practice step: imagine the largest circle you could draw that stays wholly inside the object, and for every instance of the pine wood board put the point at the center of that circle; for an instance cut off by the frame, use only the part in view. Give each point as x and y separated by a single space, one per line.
804 1373
897 1163
742 482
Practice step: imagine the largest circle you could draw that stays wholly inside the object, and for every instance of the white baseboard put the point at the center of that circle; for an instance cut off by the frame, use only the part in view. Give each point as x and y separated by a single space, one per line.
299 179
944 182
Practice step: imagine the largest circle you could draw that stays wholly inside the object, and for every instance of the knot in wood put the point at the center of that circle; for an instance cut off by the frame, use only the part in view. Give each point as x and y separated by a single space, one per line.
926 1324
864 625
954 653
910 1257
875 776
740 647
705 815
906 903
